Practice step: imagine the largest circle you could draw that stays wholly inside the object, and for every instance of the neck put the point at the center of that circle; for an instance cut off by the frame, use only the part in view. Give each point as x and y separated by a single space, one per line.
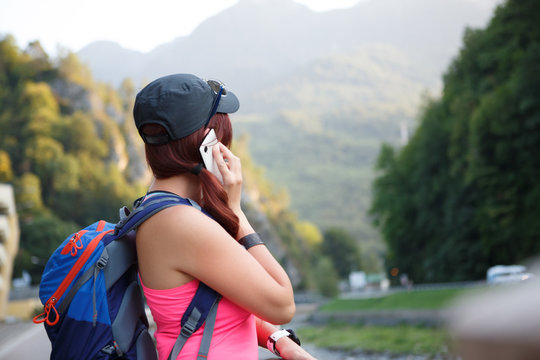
185 185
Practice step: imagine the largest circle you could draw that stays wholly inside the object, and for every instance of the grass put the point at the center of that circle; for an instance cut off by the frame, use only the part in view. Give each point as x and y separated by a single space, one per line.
400 339
415 300
397 339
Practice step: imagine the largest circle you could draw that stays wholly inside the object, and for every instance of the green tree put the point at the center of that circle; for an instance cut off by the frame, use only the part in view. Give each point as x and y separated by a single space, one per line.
28 194
342 249
71 69
61 155
6 173
461 195
38 109
43 155
327 277
40 236
127 92
80 136
39 62
309 232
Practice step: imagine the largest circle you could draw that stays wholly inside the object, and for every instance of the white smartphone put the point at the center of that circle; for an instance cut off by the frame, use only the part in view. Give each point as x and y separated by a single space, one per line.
208 143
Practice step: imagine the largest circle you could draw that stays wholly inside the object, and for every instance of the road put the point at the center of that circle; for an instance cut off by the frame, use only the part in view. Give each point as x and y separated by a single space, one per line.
23 340
26 340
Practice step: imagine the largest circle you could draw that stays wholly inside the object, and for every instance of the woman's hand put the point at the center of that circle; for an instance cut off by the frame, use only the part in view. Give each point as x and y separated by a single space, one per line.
290 350
230 167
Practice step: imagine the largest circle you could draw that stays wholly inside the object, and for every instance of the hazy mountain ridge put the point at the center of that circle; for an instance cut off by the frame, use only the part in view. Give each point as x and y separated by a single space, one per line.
373 77
319 91
278 36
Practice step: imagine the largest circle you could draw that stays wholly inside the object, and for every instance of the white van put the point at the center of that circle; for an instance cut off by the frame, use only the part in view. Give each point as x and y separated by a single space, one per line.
500 274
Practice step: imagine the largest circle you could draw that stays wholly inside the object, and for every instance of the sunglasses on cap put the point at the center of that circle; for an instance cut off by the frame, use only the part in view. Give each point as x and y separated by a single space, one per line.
219 89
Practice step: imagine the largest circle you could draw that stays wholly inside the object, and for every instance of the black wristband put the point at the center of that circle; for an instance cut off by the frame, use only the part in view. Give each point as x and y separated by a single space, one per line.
251 240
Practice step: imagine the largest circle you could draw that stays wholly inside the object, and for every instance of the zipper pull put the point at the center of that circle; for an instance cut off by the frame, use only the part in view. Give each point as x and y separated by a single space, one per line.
74 244
44 316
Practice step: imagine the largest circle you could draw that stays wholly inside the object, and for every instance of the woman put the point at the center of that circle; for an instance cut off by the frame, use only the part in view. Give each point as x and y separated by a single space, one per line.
182 246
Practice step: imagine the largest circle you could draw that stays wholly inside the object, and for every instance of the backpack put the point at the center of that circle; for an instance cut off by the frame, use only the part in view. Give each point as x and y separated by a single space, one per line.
93 302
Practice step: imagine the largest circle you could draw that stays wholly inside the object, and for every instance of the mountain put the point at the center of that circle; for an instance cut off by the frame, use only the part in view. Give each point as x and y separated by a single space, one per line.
251 42
100 53
319 92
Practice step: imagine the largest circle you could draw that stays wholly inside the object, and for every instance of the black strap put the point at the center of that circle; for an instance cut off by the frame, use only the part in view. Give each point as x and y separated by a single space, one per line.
251 240
155 139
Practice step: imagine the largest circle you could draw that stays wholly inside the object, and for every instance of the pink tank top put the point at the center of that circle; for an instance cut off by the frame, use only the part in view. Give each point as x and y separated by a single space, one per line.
234 337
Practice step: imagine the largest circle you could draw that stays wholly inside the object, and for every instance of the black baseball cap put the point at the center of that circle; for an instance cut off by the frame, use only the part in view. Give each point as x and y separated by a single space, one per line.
182 104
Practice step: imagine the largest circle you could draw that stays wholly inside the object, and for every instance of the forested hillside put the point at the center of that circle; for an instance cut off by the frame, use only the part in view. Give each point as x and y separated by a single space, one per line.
464 193
320 130
69 147
64 145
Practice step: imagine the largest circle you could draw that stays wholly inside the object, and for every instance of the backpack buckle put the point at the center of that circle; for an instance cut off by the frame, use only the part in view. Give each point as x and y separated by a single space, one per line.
188 329
123 214
102 262
111 349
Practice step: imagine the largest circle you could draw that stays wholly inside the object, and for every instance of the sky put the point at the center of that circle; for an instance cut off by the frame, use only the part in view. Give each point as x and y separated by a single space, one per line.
134 24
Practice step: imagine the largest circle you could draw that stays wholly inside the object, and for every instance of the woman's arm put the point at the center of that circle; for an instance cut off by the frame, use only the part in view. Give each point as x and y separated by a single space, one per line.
287 348
181 243
231 170
230 167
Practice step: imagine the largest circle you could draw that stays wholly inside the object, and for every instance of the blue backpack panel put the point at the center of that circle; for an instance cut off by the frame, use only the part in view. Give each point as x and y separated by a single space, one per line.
93 303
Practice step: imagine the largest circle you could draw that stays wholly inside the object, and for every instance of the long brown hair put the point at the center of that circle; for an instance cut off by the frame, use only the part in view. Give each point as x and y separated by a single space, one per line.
180 156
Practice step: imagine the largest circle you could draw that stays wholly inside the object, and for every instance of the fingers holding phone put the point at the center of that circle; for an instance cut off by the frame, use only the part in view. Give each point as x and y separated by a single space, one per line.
228 164
231 169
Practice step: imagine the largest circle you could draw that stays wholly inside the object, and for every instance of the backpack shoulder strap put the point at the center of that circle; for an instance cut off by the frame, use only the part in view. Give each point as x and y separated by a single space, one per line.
204 349
203 307
147 208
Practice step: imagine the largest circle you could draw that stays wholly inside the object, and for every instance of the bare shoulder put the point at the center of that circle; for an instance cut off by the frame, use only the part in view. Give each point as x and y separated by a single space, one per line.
166 245
181 227
174 221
